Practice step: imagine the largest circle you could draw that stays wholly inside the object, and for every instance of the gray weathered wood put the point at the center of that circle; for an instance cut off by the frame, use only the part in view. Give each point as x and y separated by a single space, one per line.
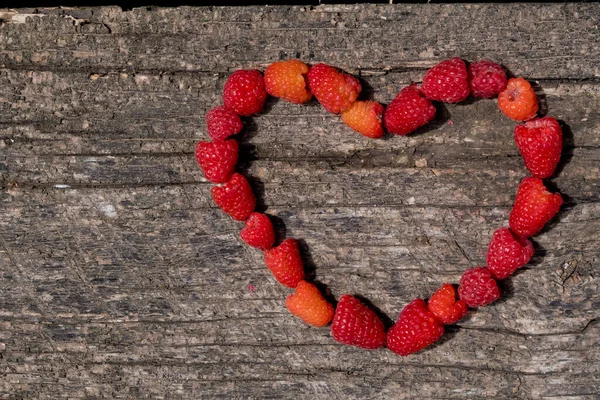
121 279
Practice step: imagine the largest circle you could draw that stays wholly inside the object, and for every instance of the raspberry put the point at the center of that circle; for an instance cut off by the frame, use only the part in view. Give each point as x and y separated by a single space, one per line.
507 252
444 305
415 329
356 324
365 118
244 92
518 100
258 231
408 111
335 90
217 159
540 144
235 197
309 305
287 80
534 207
221 122
486 79
285 263
478 288
447 81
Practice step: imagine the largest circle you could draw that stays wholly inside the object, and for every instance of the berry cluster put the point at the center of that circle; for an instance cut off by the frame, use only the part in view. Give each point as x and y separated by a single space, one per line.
420 323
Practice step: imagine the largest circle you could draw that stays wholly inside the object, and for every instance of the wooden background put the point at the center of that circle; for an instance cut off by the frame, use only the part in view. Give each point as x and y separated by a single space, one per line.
121 279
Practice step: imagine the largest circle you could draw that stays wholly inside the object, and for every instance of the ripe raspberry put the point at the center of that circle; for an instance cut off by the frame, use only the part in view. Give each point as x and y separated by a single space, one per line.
408 111
518 100
335 90
287 79
447 81
534 207
415 329
285 263
356 324
309 305
217 159
444 305
507 252
244 92
540 144
486 79
235 197
221 122
365 118
478 288
258 231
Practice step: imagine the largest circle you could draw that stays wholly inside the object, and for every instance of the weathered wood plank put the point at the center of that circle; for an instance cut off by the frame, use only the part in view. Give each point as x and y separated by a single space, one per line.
120 278
218 39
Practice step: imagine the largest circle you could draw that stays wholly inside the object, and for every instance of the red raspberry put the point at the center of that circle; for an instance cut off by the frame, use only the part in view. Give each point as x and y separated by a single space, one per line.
309 305
507 252
478 288
447 81
235 197
486 79
365 118
244 92
444 305
335 90
408 111
221 122
518 100
356 324
540 144
217 159
534 207
415 329
258 231
287 79
285 263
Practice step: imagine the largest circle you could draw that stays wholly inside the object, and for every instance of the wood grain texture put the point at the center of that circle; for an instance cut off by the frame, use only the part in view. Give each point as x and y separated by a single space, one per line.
121 279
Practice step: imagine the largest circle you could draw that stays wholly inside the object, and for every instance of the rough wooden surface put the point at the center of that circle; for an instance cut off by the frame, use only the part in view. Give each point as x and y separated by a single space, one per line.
120 278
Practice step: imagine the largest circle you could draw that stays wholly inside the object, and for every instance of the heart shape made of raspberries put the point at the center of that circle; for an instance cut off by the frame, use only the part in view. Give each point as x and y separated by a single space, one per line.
420 324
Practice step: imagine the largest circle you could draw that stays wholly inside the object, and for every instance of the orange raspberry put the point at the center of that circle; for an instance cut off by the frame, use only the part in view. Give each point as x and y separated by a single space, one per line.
518 101
287 79
444 305
365 118
309 305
